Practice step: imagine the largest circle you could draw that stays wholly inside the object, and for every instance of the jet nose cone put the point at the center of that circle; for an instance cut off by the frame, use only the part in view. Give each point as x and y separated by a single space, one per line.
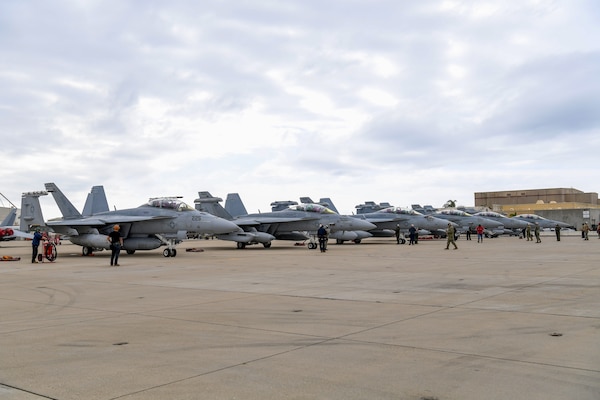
221 226
362 225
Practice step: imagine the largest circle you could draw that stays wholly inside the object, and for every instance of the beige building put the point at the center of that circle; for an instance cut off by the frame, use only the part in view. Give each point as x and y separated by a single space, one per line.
563 204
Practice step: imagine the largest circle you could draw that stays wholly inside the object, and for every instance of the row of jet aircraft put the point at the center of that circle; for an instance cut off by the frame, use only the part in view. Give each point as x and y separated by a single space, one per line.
166 221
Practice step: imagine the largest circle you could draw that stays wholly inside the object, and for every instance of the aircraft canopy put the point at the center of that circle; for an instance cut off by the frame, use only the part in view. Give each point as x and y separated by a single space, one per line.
169 203
400 210
314 208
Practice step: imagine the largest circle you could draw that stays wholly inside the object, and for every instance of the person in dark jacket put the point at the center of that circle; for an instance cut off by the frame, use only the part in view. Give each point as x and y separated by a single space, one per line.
322 235
412 233
35 244
116 242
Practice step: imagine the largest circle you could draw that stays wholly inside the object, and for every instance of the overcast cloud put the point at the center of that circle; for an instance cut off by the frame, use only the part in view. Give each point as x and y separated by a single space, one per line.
399 101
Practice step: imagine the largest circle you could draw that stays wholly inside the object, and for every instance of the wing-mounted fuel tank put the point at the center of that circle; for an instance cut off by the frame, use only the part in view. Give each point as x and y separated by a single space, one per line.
94 241
98 242
142 243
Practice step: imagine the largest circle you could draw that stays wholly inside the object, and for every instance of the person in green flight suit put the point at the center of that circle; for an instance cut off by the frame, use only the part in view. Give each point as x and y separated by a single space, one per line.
450 237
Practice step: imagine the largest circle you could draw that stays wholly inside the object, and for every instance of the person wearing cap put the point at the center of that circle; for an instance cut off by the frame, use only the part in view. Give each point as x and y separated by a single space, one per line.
116 242
35 244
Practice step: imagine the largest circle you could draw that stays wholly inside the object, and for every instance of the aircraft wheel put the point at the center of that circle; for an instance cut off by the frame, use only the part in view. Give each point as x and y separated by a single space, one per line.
130 251
312 246
339 241
357 241
241 245
166 253
402 241
267 245
86 251
173 252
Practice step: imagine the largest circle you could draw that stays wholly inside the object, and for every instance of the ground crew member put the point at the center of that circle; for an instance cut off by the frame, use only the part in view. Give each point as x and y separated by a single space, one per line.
322 235
450 237
557 230
585 229
116 242
480 233
537 233
35 244
412 233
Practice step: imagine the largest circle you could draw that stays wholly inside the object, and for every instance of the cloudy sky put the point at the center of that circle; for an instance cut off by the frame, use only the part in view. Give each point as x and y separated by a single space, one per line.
383 100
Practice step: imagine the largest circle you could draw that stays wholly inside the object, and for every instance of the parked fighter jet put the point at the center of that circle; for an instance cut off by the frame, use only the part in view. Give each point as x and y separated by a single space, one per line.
327 202
541 221
511 225
296 222
387 219
466 221
162 221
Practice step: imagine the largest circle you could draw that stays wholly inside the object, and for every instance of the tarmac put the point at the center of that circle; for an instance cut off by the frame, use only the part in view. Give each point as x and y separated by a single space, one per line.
502 319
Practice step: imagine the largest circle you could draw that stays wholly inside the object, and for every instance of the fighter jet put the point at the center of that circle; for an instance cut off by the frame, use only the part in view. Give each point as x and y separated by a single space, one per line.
466 221
541 221
511 225
162 221
297 222
328 203
387 219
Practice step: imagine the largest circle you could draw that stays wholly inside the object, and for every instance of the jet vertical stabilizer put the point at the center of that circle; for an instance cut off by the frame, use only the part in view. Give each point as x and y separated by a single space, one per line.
210 204
234 205
282 205
31 212
67 208
95 202
9 220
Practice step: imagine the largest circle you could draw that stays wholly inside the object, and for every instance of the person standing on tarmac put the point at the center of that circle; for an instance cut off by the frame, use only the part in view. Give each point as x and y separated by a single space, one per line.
322 235
480 233
585 230
450 237
397 232
412 232
557 231
528 232
35 244
116 242
537 233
